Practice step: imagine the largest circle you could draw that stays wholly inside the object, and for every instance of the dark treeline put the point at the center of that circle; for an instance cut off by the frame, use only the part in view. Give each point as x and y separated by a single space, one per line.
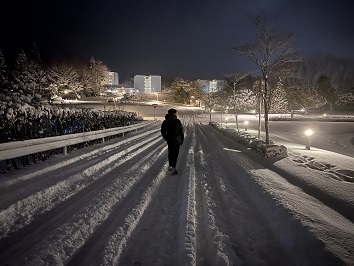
30 75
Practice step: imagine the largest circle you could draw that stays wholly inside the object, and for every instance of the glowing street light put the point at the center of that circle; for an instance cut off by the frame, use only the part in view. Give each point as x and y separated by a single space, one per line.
246 123
308 133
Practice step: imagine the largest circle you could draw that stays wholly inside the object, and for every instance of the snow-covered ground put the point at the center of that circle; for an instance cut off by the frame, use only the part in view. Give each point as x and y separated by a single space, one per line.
116 204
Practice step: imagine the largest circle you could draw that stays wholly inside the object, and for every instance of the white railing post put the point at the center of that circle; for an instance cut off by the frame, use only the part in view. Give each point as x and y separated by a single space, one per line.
65 150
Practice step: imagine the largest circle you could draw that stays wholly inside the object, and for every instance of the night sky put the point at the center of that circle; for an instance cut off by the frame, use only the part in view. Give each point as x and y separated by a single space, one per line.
186 38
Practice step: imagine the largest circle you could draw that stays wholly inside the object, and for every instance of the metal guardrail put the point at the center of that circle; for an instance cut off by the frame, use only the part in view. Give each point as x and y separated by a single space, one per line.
15 149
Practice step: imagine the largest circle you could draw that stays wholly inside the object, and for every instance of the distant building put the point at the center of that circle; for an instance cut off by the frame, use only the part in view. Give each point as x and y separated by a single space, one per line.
208 86
111 78
147 84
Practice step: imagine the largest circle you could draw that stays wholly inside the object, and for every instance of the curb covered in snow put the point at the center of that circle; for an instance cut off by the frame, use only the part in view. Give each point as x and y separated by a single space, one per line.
246 139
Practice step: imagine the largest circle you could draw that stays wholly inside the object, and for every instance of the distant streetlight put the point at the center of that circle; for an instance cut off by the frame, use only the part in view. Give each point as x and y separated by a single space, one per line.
246 123
308 133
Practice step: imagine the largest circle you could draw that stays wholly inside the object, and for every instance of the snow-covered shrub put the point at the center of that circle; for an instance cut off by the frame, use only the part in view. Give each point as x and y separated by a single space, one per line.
273 150
256 145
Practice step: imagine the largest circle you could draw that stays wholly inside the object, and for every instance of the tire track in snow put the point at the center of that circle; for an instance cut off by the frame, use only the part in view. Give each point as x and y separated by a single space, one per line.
23 212
166 232
205 250
61 243
189 205
117 241
22 189
222 254
93 251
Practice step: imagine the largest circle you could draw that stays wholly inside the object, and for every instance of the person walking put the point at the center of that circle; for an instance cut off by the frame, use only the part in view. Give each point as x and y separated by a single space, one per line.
172 132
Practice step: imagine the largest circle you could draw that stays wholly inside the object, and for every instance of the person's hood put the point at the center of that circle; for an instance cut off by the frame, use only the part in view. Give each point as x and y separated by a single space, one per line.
170 117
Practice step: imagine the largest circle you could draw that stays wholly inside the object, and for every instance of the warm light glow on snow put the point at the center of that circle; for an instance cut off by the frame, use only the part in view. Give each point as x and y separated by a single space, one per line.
308 132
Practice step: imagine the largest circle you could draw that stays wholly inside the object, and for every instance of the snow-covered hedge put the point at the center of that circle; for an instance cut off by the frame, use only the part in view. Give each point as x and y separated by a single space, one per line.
258 145
317 119
312 117
26 117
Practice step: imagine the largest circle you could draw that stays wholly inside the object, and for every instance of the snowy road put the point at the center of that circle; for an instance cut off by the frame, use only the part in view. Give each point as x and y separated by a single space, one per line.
116 204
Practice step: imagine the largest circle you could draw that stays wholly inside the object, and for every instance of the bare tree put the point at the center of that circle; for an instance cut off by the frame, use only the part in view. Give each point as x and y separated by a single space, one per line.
235 83
209 99
273 54
223 100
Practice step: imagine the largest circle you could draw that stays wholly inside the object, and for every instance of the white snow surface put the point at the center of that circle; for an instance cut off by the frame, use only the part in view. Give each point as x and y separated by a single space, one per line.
116 204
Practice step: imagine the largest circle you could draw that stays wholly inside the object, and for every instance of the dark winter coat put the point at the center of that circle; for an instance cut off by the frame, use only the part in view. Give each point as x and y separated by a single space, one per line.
172 130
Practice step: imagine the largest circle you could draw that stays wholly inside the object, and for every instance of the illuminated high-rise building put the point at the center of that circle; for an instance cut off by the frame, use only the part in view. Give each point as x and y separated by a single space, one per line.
147 84
111 78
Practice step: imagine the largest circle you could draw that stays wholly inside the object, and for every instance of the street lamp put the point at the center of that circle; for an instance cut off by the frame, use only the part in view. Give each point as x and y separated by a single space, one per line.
246 123
308 133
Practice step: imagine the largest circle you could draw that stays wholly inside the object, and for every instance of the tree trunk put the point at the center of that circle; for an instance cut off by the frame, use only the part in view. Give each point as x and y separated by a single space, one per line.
266 121
266 108
236 119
